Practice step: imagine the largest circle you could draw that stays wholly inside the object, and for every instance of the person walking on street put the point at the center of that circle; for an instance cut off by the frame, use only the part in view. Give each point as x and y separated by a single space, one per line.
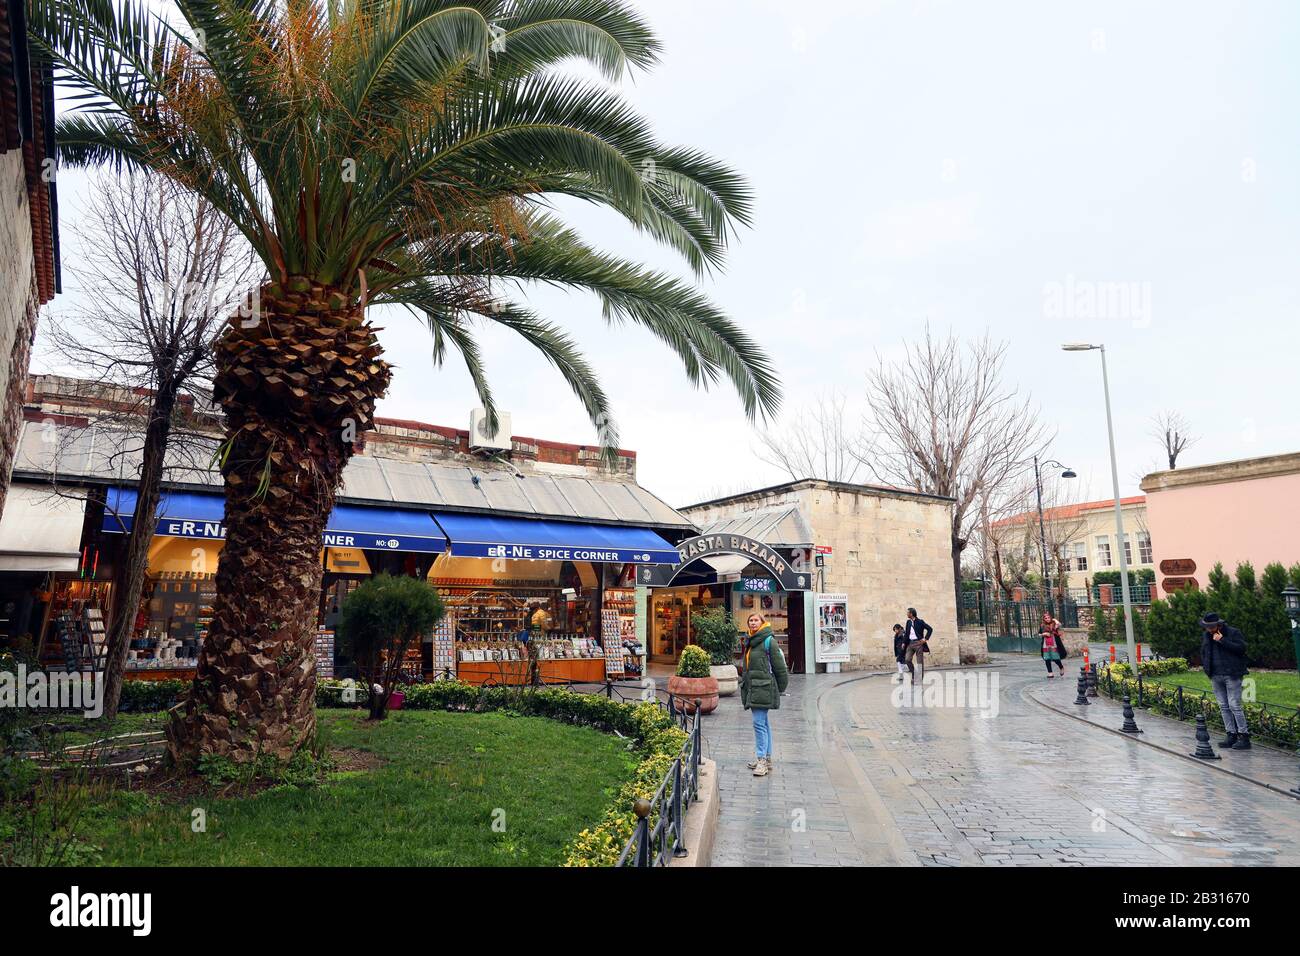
918 634
764 680
1049 632
1223 658
900 651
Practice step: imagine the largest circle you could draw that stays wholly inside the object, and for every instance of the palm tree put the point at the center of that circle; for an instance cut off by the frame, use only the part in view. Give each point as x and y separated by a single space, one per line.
382 152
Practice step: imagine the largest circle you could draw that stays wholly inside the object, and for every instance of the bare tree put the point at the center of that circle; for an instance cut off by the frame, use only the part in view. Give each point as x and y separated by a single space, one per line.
814 443
1171 430
161 272
943 422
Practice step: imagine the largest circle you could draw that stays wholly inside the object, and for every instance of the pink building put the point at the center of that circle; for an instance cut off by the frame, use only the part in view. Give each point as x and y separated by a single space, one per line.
1230 512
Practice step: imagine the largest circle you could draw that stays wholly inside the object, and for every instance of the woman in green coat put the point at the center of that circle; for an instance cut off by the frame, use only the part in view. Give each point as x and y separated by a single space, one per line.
762 683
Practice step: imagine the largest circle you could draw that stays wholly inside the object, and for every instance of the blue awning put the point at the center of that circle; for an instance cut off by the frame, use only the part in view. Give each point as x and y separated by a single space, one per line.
489 536
183 514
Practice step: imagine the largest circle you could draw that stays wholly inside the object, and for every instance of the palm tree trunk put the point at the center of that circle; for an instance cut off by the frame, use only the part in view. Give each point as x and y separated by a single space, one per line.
298 384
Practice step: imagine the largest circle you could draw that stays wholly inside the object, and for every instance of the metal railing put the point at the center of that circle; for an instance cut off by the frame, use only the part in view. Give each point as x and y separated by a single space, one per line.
1273 722
660 821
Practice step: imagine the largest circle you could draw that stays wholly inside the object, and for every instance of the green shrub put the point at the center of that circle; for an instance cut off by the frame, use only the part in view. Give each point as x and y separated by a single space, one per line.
1101 630
380 620
147 696
1136 576
694 662
1167 665
715 631
1258 612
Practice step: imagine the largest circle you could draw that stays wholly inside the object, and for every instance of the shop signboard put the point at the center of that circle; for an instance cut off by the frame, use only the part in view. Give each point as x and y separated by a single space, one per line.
1170 585
832 629
529 552
762 585
787 576
1178 567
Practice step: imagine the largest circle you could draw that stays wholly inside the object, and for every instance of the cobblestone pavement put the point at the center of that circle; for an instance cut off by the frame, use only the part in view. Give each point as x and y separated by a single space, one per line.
859 781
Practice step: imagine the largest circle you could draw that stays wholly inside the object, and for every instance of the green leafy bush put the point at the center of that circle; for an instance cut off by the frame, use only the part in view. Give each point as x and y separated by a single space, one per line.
715 631
1166 665
146 696
1174 623
1136 576
694 662
381 619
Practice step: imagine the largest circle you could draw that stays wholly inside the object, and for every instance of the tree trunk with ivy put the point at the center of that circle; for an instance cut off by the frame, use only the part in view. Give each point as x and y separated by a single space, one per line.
298 381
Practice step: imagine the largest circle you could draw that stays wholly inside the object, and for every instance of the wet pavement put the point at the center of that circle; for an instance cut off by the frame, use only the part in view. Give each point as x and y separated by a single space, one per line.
862 777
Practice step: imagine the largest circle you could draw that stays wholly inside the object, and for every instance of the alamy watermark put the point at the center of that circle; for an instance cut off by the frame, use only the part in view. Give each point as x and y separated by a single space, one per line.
63 690
1076 298
963 690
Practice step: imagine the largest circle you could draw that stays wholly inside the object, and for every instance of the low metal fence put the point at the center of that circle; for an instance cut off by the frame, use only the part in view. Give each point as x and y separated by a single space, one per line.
660 821
1273 722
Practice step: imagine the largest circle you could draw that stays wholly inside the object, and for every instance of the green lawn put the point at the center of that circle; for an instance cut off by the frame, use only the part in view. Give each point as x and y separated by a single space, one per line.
436 783
1274 687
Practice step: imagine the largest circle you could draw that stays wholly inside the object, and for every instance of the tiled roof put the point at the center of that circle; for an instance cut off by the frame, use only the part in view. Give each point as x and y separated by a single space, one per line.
1066 512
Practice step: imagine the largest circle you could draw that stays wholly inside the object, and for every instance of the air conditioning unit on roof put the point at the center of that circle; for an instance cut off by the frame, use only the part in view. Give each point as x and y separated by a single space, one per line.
482 436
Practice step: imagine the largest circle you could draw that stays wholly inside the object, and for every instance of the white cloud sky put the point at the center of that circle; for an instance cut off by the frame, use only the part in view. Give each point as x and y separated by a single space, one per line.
949 162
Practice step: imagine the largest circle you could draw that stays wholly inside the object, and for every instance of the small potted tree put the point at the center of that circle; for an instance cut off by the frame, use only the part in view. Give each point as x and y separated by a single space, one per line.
694 682
380 620
716 632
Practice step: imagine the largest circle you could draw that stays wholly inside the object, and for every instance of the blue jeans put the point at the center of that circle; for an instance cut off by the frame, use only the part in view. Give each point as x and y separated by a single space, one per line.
762 733
1228 691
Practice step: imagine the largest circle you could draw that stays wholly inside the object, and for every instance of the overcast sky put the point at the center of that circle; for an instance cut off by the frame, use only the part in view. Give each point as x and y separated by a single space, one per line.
980 165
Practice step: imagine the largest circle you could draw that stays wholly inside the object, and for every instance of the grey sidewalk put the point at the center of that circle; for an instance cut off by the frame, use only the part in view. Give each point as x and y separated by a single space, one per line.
1264 765
859 780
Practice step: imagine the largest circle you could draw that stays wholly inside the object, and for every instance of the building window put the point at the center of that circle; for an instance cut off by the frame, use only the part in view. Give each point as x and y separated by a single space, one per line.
1103 551
1144 548
1080 555
1128 550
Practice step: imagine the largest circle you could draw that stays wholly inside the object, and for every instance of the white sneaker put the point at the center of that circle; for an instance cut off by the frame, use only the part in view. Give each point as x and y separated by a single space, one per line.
760 768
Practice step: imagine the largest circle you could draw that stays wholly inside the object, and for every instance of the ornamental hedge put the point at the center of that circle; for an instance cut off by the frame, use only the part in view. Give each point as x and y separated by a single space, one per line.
1255 608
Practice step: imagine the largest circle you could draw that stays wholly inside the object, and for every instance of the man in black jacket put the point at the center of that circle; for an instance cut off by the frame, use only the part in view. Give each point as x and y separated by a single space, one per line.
1223 658
918 634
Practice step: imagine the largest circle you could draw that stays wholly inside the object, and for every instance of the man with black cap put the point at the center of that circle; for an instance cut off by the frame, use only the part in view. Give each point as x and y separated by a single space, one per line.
1223 658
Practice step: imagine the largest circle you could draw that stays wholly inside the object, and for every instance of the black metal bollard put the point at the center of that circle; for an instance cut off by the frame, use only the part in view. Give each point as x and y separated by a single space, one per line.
1081 691
1130 725
1092 680
1203 749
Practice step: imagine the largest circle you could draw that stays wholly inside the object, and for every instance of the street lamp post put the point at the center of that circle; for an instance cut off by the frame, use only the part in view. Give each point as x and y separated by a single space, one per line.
1291 598
1042 528
1119 514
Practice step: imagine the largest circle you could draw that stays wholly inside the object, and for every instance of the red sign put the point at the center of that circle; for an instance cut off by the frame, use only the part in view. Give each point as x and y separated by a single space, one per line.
824 549
1170 585
1182 567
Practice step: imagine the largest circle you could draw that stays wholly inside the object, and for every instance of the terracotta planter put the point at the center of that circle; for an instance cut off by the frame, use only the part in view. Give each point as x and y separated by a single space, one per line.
727 677
687 689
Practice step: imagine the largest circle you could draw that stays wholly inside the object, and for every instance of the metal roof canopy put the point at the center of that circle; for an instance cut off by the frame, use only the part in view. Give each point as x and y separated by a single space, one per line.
96 455
783 527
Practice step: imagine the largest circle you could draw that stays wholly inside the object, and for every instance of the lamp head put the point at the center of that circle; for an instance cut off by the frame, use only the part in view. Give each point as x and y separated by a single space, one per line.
1079 347
1069 473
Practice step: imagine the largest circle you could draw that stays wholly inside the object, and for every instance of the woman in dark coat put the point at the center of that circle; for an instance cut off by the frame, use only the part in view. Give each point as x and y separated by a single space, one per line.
763 681
1053 650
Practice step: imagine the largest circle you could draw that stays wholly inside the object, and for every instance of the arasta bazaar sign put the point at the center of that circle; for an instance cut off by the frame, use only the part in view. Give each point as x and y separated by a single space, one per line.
711 545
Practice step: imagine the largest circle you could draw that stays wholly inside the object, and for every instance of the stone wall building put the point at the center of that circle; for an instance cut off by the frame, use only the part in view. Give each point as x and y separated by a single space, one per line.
29 260
887 549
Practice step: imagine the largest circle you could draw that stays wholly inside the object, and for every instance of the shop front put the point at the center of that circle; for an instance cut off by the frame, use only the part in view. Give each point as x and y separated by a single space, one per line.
527 599
536 600
739 573
175 607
